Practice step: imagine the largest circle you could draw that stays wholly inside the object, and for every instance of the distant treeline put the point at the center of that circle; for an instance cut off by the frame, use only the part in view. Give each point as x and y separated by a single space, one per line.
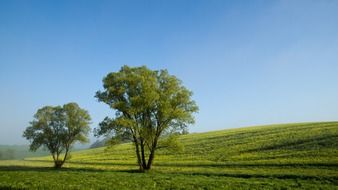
8 154
18 152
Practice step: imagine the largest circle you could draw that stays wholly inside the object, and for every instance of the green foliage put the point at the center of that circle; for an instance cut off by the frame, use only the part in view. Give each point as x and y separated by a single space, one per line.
147 104
171 143
57 129
289 156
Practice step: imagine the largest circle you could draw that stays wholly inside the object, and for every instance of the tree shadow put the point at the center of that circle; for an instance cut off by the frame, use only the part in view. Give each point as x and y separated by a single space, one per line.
189 173
102 163
63 169
222 165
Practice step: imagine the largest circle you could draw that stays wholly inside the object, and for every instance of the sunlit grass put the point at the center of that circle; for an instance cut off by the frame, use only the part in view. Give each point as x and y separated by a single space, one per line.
291 155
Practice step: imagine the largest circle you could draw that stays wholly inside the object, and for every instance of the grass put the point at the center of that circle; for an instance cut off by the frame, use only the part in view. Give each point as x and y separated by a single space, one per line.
288 156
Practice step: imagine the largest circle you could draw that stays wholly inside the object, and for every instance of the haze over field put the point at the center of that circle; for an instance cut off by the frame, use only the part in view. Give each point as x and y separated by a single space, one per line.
247 62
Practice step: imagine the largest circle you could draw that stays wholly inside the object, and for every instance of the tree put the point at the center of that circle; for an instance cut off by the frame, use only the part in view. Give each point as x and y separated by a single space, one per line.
147 105
57 128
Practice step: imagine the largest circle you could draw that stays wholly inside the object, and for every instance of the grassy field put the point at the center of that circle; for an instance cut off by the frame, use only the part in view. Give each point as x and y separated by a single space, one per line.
288 156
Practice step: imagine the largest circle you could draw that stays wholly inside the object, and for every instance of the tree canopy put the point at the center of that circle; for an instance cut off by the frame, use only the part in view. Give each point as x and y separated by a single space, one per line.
57 128
147 105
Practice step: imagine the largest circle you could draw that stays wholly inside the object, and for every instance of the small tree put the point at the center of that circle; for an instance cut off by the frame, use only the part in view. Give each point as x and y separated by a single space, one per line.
57 129
148 104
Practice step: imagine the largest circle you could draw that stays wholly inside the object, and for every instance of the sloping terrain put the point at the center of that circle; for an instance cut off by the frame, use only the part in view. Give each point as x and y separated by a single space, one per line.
301 155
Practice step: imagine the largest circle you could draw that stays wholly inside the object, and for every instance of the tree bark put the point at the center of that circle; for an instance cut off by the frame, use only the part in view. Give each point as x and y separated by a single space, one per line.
150 159
152 154
139 161
58 164
65 157
144 162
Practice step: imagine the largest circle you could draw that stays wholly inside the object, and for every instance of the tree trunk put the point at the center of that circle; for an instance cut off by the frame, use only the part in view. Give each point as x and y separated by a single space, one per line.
65 157
139 161
144 162
152 155
150 159
58 164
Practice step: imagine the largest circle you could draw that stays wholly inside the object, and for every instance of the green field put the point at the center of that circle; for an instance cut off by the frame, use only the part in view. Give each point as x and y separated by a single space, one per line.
288 156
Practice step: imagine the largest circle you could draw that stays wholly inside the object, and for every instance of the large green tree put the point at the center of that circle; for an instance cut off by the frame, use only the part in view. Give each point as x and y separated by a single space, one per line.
57 128
147 105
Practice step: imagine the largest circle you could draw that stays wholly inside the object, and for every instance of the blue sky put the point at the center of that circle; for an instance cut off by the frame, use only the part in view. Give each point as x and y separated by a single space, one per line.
247 62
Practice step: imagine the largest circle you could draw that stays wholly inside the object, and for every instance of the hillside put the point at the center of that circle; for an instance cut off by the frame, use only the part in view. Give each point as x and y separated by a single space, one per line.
292 155
292 144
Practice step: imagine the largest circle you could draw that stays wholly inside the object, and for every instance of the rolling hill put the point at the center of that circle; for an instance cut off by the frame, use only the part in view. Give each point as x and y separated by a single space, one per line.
302 155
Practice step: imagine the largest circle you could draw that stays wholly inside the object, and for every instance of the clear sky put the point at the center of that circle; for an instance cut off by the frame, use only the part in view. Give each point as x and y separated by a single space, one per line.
247 62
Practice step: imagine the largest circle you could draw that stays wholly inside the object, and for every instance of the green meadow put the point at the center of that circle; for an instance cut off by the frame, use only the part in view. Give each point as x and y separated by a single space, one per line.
286 156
